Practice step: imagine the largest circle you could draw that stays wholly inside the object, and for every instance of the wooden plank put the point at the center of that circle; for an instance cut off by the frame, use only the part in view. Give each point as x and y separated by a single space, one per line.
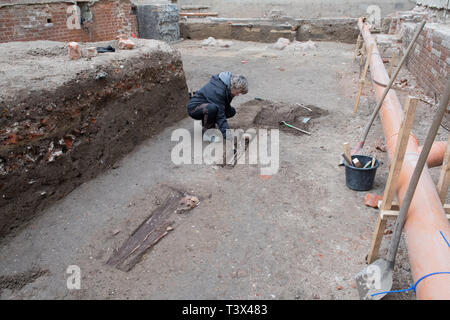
394 171
444 178
363 78
376 239
399 154
199 14
396 207
392 214
194 7
151 230
388 214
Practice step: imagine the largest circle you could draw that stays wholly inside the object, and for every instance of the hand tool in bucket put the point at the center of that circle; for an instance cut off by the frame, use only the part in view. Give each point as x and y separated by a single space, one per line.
374 281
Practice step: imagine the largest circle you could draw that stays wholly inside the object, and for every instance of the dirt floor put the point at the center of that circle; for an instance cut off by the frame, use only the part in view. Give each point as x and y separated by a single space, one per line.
301 234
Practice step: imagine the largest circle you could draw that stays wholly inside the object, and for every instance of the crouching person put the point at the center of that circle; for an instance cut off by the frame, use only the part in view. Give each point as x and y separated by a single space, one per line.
212 103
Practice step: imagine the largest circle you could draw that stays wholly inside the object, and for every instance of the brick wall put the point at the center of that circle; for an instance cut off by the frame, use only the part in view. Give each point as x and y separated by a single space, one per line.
49 22
430 59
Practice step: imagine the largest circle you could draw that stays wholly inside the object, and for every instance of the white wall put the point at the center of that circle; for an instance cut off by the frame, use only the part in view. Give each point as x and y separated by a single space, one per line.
299 8
438 4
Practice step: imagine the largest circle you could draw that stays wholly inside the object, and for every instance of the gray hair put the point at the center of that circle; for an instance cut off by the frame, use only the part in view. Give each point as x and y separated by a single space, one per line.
239 83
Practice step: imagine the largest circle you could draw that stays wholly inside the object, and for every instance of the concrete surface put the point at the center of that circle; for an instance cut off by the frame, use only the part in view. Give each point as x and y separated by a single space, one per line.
438 4
300 235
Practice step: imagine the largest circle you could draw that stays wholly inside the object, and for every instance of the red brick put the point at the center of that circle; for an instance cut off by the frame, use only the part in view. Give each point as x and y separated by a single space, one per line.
371 200
104 27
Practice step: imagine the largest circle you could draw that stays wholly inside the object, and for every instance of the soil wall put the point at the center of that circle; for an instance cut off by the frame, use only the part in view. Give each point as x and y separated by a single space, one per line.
65 121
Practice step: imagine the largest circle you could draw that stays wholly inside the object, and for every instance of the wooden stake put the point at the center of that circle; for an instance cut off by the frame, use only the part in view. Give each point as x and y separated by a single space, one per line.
394 171
358 45
444 178
399 153
363 79
347 152
376 240
391 63
363 51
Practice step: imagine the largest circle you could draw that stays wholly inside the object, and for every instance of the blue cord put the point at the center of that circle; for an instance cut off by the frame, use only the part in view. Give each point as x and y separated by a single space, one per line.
445 239
413 286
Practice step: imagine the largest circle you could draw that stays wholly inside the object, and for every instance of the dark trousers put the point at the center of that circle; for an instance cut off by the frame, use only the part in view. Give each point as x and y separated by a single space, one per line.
207 112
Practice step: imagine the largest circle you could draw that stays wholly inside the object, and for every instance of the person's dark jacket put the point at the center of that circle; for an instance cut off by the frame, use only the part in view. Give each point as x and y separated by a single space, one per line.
218 93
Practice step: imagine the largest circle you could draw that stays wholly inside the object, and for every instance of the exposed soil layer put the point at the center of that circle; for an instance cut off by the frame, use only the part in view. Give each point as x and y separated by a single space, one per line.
260 113
273 114
62 122
268 30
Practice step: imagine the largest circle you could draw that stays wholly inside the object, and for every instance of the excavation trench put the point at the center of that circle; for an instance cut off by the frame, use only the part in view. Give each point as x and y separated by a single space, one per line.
293 119
86 115
258 113
293 236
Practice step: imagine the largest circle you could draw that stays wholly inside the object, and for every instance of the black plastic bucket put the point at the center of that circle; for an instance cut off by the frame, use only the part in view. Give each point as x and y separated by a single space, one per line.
360 179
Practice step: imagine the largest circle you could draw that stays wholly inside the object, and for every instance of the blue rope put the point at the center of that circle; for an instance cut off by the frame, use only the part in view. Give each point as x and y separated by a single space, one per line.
413 286
445 239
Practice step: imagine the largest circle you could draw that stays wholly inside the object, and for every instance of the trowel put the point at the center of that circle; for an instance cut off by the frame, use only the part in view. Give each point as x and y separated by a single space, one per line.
375 281
291 126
